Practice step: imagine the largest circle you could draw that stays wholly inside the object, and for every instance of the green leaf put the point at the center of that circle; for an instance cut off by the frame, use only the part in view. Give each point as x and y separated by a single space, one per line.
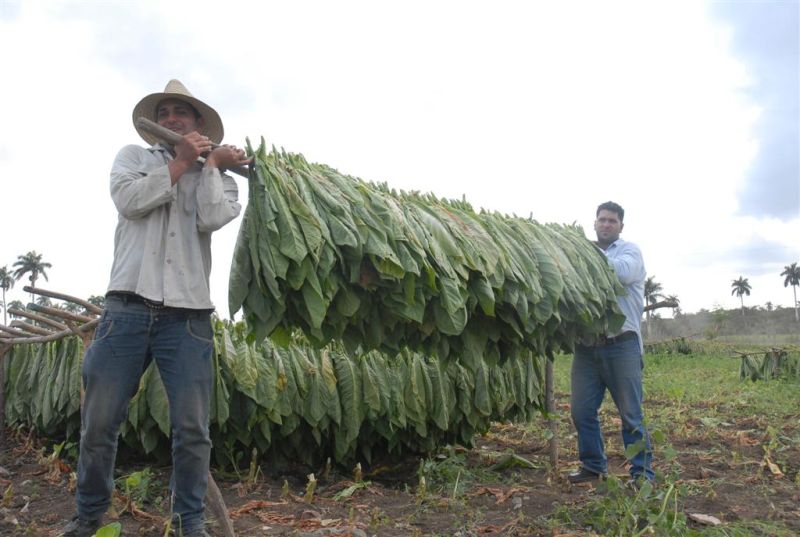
512 460
634 449
157 401
110 530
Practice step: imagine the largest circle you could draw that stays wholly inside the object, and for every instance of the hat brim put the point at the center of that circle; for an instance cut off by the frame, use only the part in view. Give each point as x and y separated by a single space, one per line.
147 108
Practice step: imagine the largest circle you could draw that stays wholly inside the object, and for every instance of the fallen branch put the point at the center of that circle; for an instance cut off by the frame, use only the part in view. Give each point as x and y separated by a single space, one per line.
254 505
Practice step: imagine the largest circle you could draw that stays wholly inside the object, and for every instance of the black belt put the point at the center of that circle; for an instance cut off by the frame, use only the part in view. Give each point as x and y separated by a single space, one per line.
133 298
606 341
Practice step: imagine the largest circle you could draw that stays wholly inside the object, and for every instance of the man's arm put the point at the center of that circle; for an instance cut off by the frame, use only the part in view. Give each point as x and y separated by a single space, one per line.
628 263
217 193
217 200
135 189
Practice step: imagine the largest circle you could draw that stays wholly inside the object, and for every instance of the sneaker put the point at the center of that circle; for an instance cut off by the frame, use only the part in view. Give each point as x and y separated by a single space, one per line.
80 528
582 475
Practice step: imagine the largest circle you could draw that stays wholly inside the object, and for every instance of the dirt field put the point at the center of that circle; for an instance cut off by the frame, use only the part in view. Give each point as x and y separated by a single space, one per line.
721 472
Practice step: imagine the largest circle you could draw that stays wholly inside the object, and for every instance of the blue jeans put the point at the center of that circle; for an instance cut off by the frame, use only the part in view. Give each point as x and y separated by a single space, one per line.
128 337
617 367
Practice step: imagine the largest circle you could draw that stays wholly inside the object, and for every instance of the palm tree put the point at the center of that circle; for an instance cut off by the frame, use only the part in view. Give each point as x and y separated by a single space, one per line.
741 287
676 309
44 302
31 263
71 307
16 304
6 283
652 292
97 300
792 273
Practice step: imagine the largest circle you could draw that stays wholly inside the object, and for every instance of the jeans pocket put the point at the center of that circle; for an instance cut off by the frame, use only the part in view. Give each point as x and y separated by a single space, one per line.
103 329
200 329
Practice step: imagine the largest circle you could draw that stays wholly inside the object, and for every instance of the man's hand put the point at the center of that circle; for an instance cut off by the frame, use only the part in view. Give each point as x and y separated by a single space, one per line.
187 150
191 146
227 156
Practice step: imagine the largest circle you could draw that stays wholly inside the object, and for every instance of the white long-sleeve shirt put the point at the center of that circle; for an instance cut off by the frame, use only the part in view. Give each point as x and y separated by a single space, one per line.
628 263
162 244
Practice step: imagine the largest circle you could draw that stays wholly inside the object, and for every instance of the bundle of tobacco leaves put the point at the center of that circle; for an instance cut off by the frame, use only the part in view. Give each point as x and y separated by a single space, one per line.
341 258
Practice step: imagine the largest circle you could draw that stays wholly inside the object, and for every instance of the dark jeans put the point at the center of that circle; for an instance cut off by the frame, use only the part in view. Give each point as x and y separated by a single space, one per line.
618 368
128 337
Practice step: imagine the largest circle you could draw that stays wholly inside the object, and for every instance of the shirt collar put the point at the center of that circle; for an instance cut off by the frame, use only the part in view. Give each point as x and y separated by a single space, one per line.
158 147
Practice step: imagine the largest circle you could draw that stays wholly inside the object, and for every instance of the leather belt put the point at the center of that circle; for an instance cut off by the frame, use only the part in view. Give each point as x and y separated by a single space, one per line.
606 341
133 298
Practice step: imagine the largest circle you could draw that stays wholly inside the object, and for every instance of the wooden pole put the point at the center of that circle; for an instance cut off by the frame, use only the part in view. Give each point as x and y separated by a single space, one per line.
550 402
171 138
217 506
61 296
41 318
662 304
14 331
30 328
24 338
67 315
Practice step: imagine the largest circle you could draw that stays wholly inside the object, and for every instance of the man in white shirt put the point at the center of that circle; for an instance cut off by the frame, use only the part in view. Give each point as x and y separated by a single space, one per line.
613 363
158 305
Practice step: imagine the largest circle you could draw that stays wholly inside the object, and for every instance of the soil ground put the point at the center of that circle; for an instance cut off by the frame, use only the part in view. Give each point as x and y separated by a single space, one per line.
726 477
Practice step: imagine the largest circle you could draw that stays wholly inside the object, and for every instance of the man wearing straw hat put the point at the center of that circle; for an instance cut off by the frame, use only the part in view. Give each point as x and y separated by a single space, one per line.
158 305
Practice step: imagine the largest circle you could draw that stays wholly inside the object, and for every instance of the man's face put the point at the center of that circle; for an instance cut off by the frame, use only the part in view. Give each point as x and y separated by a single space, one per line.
178 117
607 226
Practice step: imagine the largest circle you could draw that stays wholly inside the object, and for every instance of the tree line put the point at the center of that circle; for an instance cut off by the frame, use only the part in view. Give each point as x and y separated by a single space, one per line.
33 265
791 276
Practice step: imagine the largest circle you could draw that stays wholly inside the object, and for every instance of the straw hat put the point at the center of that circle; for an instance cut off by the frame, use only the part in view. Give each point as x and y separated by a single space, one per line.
176 90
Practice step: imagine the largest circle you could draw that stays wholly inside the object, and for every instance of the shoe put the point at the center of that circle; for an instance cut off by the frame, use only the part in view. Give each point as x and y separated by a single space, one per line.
582 475
80 528
635 483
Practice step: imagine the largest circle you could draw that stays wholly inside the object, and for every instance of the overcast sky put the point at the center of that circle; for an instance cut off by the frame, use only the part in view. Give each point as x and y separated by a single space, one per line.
685 113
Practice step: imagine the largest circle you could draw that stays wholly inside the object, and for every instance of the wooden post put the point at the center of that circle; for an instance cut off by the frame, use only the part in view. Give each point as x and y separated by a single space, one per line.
550 406
217 506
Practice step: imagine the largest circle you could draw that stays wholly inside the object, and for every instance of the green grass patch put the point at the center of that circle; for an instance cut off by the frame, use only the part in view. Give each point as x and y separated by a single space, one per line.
714 433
